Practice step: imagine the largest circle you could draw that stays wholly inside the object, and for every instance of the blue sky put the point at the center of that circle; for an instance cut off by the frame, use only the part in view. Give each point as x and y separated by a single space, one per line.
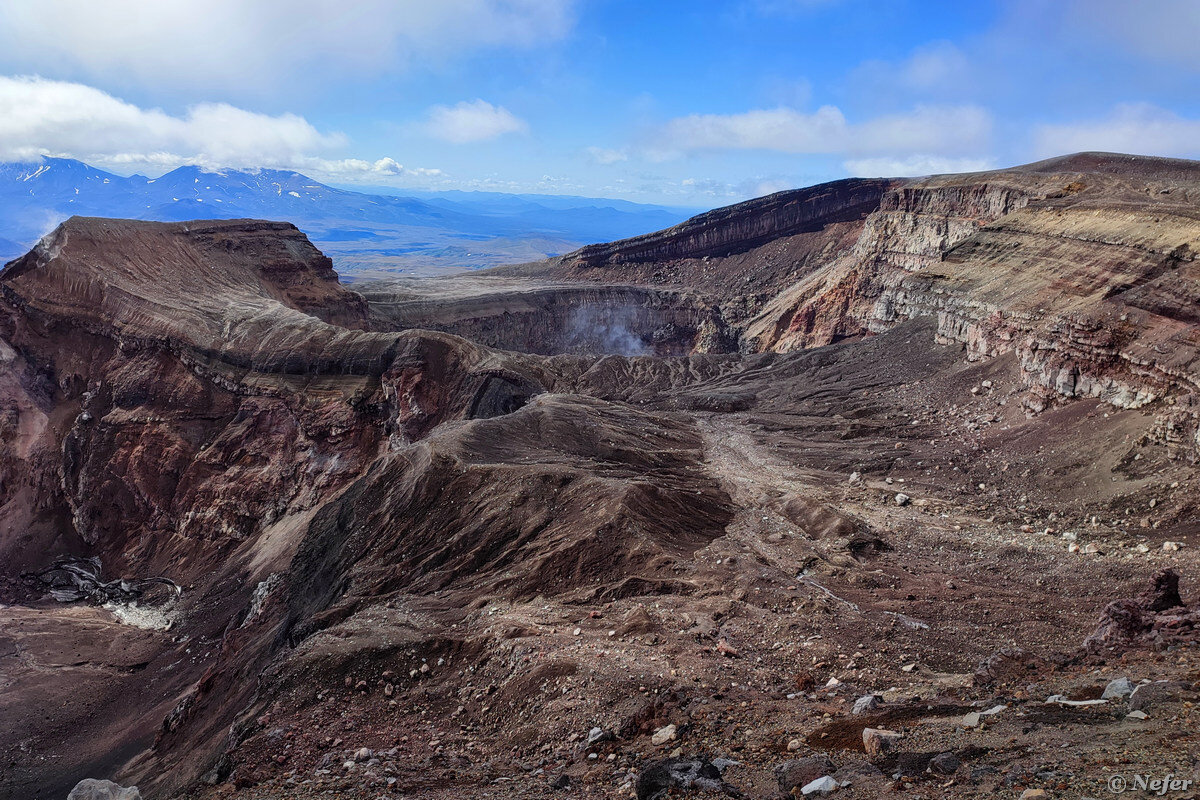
689 103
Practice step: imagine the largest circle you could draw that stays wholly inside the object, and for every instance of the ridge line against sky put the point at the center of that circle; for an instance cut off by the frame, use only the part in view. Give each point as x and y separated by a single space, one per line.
684 103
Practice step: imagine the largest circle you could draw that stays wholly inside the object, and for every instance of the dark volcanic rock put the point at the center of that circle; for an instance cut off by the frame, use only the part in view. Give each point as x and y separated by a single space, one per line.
1163 593
793 775
659 779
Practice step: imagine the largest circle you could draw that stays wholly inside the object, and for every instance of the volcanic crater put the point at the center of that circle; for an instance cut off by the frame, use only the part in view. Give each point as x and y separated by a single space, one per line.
698 511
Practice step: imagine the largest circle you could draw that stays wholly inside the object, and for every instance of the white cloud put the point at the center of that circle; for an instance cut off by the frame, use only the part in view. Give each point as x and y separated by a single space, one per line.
1161 30
605 157
1139 128
355 170
474 121
925 129
938 69
240 46
915 165
43 117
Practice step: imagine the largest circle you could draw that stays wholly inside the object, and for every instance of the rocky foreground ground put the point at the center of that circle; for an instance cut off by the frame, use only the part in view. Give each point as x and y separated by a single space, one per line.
878 488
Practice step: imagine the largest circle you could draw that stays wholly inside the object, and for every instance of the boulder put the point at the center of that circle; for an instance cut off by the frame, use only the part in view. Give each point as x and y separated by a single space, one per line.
663 735
868 702
879 742
658 779
1163 592
857 772
1147 695
93 789
945 763
793 775
1117 689
822 785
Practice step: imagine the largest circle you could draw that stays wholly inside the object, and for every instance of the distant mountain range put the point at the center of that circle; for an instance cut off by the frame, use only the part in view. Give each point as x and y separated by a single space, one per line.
366 232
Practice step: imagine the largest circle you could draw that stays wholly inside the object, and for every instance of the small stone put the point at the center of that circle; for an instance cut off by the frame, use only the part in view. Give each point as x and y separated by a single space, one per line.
944 764
868 702
1143 548
1091 549
1172 547
389 690
902 499
663 735
879 742
598 735
855 478
726 649
363 754
794 745
823 785
1117 689
908 667
1137 715
804 681
1034 794
971 720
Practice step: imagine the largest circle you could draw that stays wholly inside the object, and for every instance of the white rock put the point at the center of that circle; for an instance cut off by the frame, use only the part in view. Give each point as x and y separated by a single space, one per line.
823 785
1172 547
1136 715
868 702
902 499
1063 701
971 720
1117 689
663 735
93 789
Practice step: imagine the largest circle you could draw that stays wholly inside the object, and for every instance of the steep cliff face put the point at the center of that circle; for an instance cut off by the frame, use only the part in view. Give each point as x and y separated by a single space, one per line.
196 401
1092 287
555 318
1083 266
162 416
742 227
